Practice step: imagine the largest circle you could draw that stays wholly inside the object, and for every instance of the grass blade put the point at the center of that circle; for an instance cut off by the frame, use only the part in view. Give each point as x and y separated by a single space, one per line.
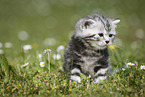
5 68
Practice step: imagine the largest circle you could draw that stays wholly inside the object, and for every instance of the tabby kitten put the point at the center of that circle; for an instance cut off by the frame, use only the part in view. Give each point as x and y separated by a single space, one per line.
87 51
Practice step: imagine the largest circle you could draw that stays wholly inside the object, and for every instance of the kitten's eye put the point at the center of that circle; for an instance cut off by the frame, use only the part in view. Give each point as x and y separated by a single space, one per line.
100 34
110 35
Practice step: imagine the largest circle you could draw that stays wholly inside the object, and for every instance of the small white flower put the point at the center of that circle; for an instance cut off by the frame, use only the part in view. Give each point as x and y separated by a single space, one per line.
47 51
1 51
60 48
1 45
56 56
130 64
27 47
25 65
142 67
42 64
8 45
123 69
40 57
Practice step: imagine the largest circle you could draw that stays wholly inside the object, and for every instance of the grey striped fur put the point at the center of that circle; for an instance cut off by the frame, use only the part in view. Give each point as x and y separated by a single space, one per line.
87 51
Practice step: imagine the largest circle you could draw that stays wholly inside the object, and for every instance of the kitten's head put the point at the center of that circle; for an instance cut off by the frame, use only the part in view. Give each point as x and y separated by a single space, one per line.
98 29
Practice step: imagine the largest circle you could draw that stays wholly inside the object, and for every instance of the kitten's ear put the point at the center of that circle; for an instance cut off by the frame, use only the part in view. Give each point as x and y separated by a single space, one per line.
115 21
88 23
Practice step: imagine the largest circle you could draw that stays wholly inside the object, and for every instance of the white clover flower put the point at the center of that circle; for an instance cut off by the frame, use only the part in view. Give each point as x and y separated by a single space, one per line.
27 47
1 51
25 65
56 56
8 45
142 67
47 51
130 64
60 48
40 57
1 45
42 64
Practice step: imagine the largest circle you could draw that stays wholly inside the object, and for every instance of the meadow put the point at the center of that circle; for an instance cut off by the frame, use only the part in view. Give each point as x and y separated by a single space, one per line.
33 38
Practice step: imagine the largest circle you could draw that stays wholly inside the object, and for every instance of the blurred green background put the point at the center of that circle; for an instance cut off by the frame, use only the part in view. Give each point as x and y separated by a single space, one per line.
49 23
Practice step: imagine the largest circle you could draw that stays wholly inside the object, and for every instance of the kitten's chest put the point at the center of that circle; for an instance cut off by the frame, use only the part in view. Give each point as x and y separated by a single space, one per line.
89 64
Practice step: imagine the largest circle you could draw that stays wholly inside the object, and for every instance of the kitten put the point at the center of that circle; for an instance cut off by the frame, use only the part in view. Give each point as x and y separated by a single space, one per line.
87 51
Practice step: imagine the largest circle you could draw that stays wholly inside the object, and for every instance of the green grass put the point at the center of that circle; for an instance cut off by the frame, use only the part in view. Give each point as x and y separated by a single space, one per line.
45 19
36 80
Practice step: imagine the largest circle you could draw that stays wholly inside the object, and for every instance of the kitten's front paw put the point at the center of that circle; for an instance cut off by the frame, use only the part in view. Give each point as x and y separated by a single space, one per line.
75 78
100 78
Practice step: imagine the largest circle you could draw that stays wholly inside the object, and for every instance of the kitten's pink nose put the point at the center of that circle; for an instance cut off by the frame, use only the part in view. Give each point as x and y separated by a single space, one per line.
107 42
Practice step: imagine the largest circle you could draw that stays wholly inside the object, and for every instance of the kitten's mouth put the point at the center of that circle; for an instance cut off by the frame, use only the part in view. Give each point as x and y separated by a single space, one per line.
103 45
